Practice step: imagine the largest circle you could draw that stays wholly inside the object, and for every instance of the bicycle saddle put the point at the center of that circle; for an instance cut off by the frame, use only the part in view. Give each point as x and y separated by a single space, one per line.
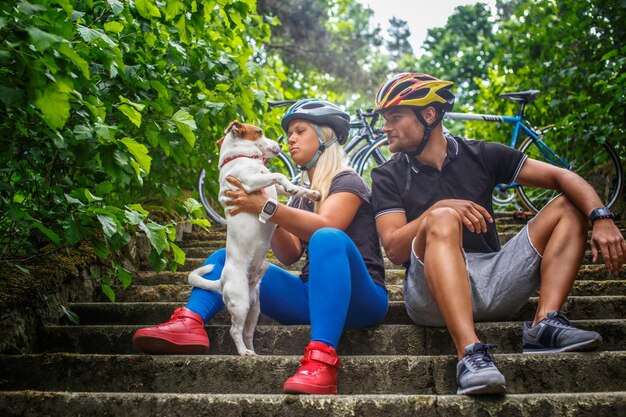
522 96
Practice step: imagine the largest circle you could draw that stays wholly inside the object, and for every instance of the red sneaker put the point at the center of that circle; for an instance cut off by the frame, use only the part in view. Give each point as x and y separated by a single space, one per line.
183 334
318 373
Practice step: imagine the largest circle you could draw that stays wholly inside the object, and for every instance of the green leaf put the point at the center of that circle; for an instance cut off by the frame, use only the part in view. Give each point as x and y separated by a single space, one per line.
42 40
147 8
54 105
139 152
133 115
54 238
186 125
193 207
204 223
179 255
124 276
156 235
90 197
73 234
134 217
109 226
108 291
91 35
161 89
157 262
116 6
73 317
139 209
101 249
66 49
115 27
20 268
73 200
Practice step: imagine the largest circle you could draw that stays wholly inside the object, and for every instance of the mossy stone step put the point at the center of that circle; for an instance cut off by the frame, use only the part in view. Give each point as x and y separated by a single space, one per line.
271 339
358 375
575 307
395 274
36 404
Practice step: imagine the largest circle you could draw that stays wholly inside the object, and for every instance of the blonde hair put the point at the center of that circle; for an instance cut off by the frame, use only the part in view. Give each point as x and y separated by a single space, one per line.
330 163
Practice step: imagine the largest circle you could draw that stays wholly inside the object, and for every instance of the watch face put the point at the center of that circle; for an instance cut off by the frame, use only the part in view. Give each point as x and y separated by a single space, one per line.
269 208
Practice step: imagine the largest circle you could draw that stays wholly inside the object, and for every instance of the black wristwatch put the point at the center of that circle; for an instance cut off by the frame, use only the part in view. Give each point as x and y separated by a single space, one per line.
268 210
601 213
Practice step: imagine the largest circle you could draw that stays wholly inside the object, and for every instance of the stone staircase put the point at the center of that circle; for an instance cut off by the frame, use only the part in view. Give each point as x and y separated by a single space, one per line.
394 369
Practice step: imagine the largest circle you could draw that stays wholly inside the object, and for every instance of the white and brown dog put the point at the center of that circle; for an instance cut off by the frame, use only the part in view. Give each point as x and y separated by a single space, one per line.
242 151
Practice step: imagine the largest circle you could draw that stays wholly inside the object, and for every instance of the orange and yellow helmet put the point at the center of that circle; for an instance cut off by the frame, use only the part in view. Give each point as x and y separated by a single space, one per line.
414 89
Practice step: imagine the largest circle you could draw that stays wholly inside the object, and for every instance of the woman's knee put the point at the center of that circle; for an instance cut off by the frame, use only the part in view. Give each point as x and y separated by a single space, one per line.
327 237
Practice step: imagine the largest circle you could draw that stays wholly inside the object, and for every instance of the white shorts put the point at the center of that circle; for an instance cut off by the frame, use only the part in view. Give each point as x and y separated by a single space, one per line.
500 283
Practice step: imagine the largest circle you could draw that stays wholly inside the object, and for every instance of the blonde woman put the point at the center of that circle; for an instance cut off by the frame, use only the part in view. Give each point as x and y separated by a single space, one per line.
342 282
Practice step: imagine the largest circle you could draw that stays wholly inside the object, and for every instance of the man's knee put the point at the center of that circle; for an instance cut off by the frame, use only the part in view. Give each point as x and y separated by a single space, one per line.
442 223
566 210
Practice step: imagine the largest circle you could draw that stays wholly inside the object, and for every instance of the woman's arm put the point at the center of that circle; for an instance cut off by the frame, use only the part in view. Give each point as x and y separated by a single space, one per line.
337 211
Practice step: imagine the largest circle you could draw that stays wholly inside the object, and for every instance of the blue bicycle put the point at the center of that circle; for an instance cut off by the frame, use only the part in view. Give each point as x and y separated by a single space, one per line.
596 162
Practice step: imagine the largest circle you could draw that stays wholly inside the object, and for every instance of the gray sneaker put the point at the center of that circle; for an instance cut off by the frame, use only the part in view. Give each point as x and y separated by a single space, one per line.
555 334
476 372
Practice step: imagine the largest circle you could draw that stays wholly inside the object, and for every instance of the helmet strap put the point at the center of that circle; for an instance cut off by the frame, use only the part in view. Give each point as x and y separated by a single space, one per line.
321 148
427 129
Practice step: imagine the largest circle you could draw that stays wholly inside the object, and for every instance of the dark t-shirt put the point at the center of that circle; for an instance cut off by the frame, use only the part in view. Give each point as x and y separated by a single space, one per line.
362 230
470 171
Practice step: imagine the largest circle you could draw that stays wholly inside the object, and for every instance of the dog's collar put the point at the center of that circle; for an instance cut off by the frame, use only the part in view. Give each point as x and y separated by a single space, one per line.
227 160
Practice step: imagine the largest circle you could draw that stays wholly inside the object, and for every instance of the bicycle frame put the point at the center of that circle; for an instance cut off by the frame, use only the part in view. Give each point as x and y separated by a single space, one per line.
519 125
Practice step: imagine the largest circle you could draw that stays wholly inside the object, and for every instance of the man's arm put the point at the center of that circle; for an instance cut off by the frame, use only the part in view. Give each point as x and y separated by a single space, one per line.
606 237
397 234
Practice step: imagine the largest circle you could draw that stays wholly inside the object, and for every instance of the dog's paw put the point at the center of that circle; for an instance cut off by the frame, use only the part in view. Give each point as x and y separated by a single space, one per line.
248 352
313 195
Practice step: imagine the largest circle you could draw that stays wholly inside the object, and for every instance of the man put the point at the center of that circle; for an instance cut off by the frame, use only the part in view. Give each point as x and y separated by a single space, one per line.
433 209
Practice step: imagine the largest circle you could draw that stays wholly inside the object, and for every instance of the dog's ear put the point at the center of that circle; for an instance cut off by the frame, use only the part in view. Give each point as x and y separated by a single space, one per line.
219 142
235 126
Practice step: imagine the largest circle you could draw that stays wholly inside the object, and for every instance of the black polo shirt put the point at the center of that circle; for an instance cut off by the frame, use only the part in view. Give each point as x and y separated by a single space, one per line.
470 171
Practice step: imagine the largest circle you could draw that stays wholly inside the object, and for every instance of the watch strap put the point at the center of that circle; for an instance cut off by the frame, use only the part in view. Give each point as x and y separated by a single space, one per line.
268 210
600 213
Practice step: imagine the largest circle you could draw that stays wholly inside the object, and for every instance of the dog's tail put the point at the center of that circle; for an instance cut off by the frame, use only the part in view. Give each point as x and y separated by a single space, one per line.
196 279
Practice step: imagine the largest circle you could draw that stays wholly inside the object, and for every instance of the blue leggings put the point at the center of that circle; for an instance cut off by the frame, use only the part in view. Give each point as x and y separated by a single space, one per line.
339 293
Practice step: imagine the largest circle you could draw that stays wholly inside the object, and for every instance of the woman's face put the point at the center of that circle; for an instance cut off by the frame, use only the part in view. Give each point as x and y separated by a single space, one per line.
302 140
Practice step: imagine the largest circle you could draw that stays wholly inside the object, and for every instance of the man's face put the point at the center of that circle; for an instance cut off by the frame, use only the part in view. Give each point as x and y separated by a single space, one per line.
403 129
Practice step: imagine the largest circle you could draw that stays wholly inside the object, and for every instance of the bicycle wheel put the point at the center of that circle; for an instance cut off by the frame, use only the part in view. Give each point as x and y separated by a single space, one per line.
377 153
503 198
208 186
598 165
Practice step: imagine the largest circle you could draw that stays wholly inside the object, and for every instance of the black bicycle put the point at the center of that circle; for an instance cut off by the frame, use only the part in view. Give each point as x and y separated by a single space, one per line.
363 134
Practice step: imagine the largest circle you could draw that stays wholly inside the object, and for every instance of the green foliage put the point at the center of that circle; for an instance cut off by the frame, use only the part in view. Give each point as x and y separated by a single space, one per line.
573 51
460 51
108 103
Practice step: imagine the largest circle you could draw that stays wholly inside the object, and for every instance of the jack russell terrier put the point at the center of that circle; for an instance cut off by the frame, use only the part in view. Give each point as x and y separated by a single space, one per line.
242 151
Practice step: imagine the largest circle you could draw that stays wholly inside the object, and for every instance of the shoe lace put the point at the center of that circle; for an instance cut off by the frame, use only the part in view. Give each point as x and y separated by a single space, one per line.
482 357
560 318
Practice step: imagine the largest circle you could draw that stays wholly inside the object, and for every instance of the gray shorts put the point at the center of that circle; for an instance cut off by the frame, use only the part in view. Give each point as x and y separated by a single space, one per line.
500 282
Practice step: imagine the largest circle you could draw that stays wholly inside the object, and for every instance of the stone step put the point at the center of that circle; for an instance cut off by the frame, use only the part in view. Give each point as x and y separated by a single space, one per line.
271 339
575 307
218 233
132 404
393 273
180 292
358 375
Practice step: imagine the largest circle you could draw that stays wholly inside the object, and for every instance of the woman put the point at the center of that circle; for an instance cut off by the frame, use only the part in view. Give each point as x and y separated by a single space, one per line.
342 282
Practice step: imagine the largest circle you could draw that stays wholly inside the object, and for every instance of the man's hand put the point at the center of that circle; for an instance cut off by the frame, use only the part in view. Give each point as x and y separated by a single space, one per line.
607 240
240 201
474 216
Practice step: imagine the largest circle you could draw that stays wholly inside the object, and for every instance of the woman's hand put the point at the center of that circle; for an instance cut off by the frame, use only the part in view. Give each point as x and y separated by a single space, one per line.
240 201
